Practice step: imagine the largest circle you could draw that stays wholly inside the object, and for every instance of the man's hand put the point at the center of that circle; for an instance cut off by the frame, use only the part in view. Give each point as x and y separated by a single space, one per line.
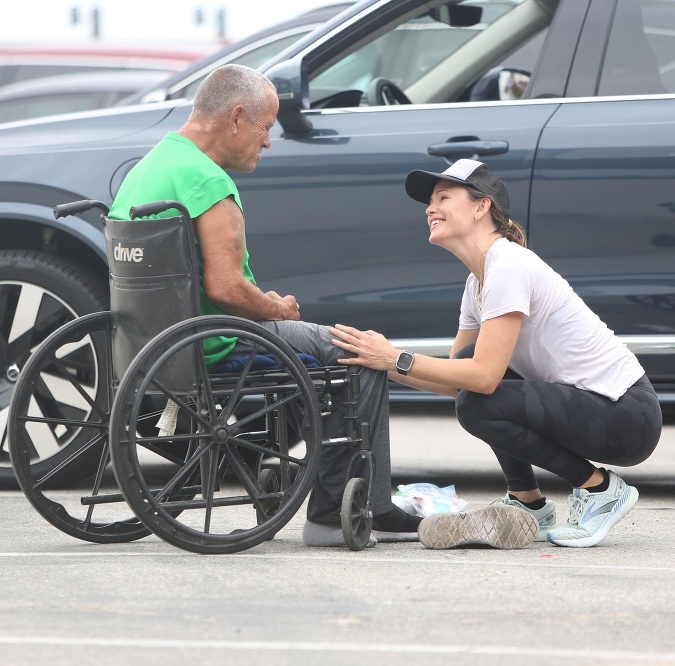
289 308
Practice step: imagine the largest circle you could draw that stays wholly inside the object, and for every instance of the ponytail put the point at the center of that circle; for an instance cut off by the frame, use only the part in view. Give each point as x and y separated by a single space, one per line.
504 226
514 232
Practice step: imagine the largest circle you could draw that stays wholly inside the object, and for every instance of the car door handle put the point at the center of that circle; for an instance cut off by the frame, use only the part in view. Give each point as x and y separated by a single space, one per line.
473 146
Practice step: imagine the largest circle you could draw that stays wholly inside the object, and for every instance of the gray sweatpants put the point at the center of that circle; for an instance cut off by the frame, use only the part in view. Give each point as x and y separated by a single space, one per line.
373 407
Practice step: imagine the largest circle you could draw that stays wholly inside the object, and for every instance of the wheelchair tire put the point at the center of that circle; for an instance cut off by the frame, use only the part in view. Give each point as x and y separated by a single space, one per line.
217 514
61 407
39 293
355 514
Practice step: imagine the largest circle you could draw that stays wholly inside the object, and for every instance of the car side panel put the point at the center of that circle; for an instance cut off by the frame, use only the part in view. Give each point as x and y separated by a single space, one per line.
603 210
329 220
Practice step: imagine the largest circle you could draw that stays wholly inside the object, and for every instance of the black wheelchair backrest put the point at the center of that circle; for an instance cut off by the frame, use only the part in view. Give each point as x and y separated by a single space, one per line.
154 283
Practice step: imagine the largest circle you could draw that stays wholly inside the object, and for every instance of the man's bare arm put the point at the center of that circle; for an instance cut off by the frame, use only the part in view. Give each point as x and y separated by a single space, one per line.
221 233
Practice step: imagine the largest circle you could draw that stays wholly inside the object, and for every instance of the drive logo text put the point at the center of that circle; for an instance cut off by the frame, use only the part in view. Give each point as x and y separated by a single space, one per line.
134 254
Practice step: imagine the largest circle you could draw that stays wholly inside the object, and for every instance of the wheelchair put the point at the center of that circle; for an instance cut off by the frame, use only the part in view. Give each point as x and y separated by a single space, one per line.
209 462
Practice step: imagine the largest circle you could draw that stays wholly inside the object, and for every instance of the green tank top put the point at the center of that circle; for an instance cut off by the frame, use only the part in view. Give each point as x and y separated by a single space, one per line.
176 170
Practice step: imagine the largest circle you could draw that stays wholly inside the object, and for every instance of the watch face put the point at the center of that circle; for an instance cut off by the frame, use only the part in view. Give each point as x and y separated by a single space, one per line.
404 362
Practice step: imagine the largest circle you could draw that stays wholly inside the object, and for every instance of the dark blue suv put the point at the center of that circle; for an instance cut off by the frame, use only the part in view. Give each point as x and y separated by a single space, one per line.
572 102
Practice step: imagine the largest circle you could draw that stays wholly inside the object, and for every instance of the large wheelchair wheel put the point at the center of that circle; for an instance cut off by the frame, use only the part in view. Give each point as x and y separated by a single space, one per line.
58 431
227 501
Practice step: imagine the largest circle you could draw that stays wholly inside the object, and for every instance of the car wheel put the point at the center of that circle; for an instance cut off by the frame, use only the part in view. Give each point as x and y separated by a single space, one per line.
39 292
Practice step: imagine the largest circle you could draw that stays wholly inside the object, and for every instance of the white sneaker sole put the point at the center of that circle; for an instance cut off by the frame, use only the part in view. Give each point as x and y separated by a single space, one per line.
394 537
542 534
500 526
621 509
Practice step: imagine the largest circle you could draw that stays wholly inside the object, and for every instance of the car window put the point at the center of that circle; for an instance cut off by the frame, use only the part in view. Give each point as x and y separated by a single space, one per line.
640 56
46 105
253 58
14 73
411 53
260 55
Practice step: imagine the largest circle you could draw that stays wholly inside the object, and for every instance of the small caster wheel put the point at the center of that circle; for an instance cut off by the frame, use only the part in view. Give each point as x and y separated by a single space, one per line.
356 516
270 484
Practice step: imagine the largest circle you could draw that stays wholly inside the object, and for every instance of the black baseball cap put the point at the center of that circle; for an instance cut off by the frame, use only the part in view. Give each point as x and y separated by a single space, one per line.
470 173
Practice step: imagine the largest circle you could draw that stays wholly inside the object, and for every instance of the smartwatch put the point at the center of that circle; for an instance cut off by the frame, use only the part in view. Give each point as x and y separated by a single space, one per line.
404 362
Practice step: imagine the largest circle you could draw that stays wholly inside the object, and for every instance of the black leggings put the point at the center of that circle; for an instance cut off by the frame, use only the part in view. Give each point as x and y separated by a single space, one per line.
560 428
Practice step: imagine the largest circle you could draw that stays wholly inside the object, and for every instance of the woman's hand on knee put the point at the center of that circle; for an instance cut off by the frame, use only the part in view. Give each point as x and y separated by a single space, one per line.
370 349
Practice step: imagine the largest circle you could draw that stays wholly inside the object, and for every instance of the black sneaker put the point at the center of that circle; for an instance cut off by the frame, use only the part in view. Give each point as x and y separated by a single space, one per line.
395 526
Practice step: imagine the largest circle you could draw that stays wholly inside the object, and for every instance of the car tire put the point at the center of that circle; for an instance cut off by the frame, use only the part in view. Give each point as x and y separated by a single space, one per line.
39 292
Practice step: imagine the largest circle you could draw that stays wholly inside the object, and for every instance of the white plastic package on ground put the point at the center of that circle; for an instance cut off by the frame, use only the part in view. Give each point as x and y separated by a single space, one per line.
423 499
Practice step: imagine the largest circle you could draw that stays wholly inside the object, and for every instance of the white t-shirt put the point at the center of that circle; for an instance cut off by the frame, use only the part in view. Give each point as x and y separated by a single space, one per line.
561 339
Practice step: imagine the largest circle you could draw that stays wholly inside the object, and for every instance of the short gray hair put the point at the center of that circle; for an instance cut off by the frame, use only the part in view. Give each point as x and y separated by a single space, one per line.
229 85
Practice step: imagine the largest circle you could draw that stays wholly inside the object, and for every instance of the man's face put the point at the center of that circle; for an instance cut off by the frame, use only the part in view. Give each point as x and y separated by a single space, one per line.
254 134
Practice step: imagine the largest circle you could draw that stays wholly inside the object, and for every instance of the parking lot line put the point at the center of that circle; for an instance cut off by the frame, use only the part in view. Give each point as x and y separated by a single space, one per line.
290 646
544 559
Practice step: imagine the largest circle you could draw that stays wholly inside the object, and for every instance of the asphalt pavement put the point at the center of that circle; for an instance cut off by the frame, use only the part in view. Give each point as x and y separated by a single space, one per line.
69 602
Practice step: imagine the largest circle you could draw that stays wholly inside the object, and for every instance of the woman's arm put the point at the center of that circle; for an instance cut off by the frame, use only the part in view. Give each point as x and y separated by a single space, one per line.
463 338
495 343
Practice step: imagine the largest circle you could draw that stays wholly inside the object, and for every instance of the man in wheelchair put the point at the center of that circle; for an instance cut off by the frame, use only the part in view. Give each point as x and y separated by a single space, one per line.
234 109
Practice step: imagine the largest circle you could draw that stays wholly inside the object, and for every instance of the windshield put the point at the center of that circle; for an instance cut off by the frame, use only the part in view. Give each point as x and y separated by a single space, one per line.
253 58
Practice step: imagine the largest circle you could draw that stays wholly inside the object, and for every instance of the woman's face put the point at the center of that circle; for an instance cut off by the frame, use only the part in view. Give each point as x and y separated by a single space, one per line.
451 213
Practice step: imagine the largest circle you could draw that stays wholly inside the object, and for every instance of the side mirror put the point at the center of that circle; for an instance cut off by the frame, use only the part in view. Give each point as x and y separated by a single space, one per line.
500 85
291 80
